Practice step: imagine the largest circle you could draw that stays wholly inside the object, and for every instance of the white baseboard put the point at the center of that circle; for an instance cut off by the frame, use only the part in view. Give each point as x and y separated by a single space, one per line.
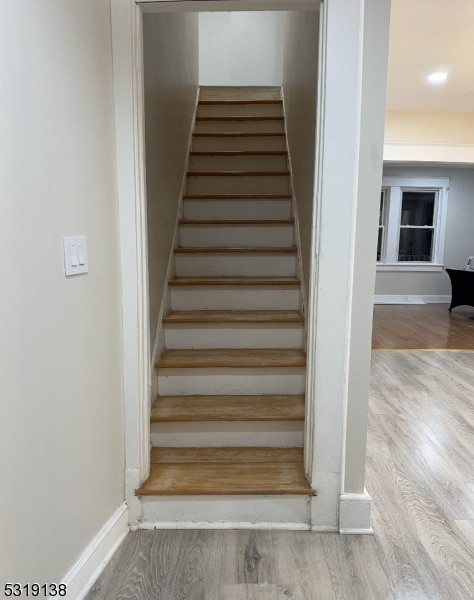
411 299
227 525
354 513
92 561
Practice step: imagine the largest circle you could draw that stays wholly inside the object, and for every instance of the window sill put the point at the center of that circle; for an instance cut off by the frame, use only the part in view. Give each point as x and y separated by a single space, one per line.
410 267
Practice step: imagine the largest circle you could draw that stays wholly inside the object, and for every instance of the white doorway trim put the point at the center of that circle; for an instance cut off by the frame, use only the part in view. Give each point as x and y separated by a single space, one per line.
127 38
130 147
346 202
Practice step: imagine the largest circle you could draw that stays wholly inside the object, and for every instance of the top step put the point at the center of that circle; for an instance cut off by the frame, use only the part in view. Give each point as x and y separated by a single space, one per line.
242 93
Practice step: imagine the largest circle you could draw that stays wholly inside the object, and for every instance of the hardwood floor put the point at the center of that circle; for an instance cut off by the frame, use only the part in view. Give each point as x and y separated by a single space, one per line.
422 326
420 474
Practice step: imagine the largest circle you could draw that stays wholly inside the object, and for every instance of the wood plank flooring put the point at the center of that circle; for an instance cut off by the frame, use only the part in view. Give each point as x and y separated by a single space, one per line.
420 474
422 327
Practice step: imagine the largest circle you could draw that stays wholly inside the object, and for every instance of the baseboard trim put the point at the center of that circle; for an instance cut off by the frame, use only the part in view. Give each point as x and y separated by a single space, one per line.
80 578
224 525
354 514
412 299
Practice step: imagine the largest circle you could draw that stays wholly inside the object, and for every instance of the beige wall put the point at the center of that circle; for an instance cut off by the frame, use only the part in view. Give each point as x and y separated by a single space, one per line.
300 78
459 242
171 80
241 48
61 431
405 127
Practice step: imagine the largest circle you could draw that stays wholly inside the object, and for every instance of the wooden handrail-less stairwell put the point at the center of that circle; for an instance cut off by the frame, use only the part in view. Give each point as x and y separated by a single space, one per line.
230 412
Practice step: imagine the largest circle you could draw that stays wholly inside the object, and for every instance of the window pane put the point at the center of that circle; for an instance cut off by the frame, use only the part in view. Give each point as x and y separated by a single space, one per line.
415 245
382 198
418 208
379 244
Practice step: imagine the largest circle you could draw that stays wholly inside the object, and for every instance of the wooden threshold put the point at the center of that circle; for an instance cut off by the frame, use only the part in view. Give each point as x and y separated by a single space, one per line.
226 281
243 454
245 358
185 409
237 173
195 479
225 250
234 316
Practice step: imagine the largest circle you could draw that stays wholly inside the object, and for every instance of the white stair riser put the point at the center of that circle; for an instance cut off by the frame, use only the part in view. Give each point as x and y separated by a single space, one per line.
231 126
181 382
243 184
234 298
216 143
237 209
219 512
238 335
217 434
241 236
240 110
248 265
244 162
211 92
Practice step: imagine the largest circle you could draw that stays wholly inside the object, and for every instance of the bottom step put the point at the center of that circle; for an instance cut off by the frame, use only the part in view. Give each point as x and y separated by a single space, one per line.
220 471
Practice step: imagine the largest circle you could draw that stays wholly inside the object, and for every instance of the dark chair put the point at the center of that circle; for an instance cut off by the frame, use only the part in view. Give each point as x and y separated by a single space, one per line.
462 287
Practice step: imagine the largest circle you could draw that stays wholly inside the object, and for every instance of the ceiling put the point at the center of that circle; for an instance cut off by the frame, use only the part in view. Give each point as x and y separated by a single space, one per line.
428 36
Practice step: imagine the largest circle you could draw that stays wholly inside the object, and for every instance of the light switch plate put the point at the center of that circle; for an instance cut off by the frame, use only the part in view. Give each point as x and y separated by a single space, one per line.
75 255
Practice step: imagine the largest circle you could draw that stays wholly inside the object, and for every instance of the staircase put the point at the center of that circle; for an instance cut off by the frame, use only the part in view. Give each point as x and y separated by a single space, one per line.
229 417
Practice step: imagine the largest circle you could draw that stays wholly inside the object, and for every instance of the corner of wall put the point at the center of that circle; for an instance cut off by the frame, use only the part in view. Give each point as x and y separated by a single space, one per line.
98 553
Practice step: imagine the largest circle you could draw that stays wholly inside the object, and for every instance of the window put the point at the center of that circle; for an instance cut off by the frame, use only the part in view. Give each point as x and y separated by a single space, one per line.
412 222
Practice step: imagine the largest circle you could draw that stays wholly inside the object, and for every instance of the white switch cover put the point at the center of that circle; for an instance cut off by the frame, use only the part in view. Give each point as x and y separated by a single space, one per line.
75 255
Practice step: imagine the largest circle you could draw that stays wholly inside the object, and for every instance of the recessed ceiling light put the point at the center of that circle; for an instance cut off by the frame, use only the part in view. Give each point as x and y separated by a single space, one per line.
438 77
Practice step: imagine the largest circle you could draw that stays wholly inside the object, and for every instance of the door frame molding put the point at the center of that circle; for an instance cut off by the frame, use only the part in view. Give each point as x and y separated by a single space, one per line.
347 166
127 37
127 51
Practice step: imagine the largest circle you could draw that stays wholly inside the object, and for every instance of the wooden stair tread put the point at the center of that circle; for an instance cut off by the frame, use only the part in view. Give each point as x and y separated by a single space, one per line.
240 250
237 173
232 102
238 153
232 222
221 281
172 409
190 479
231 358
234 316
237 197
239 454
241 118
236 134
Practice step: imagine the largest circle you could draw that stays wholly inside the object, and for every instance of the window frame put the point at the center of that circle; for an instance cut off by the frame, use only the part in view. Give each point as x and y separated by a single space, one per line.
393 188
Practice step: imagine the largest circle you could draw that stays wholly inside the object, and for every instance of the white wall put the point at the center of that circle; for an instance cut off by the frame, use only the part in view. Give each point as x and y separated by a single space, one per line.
241 48
300 91
61 431
171 80
459 242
